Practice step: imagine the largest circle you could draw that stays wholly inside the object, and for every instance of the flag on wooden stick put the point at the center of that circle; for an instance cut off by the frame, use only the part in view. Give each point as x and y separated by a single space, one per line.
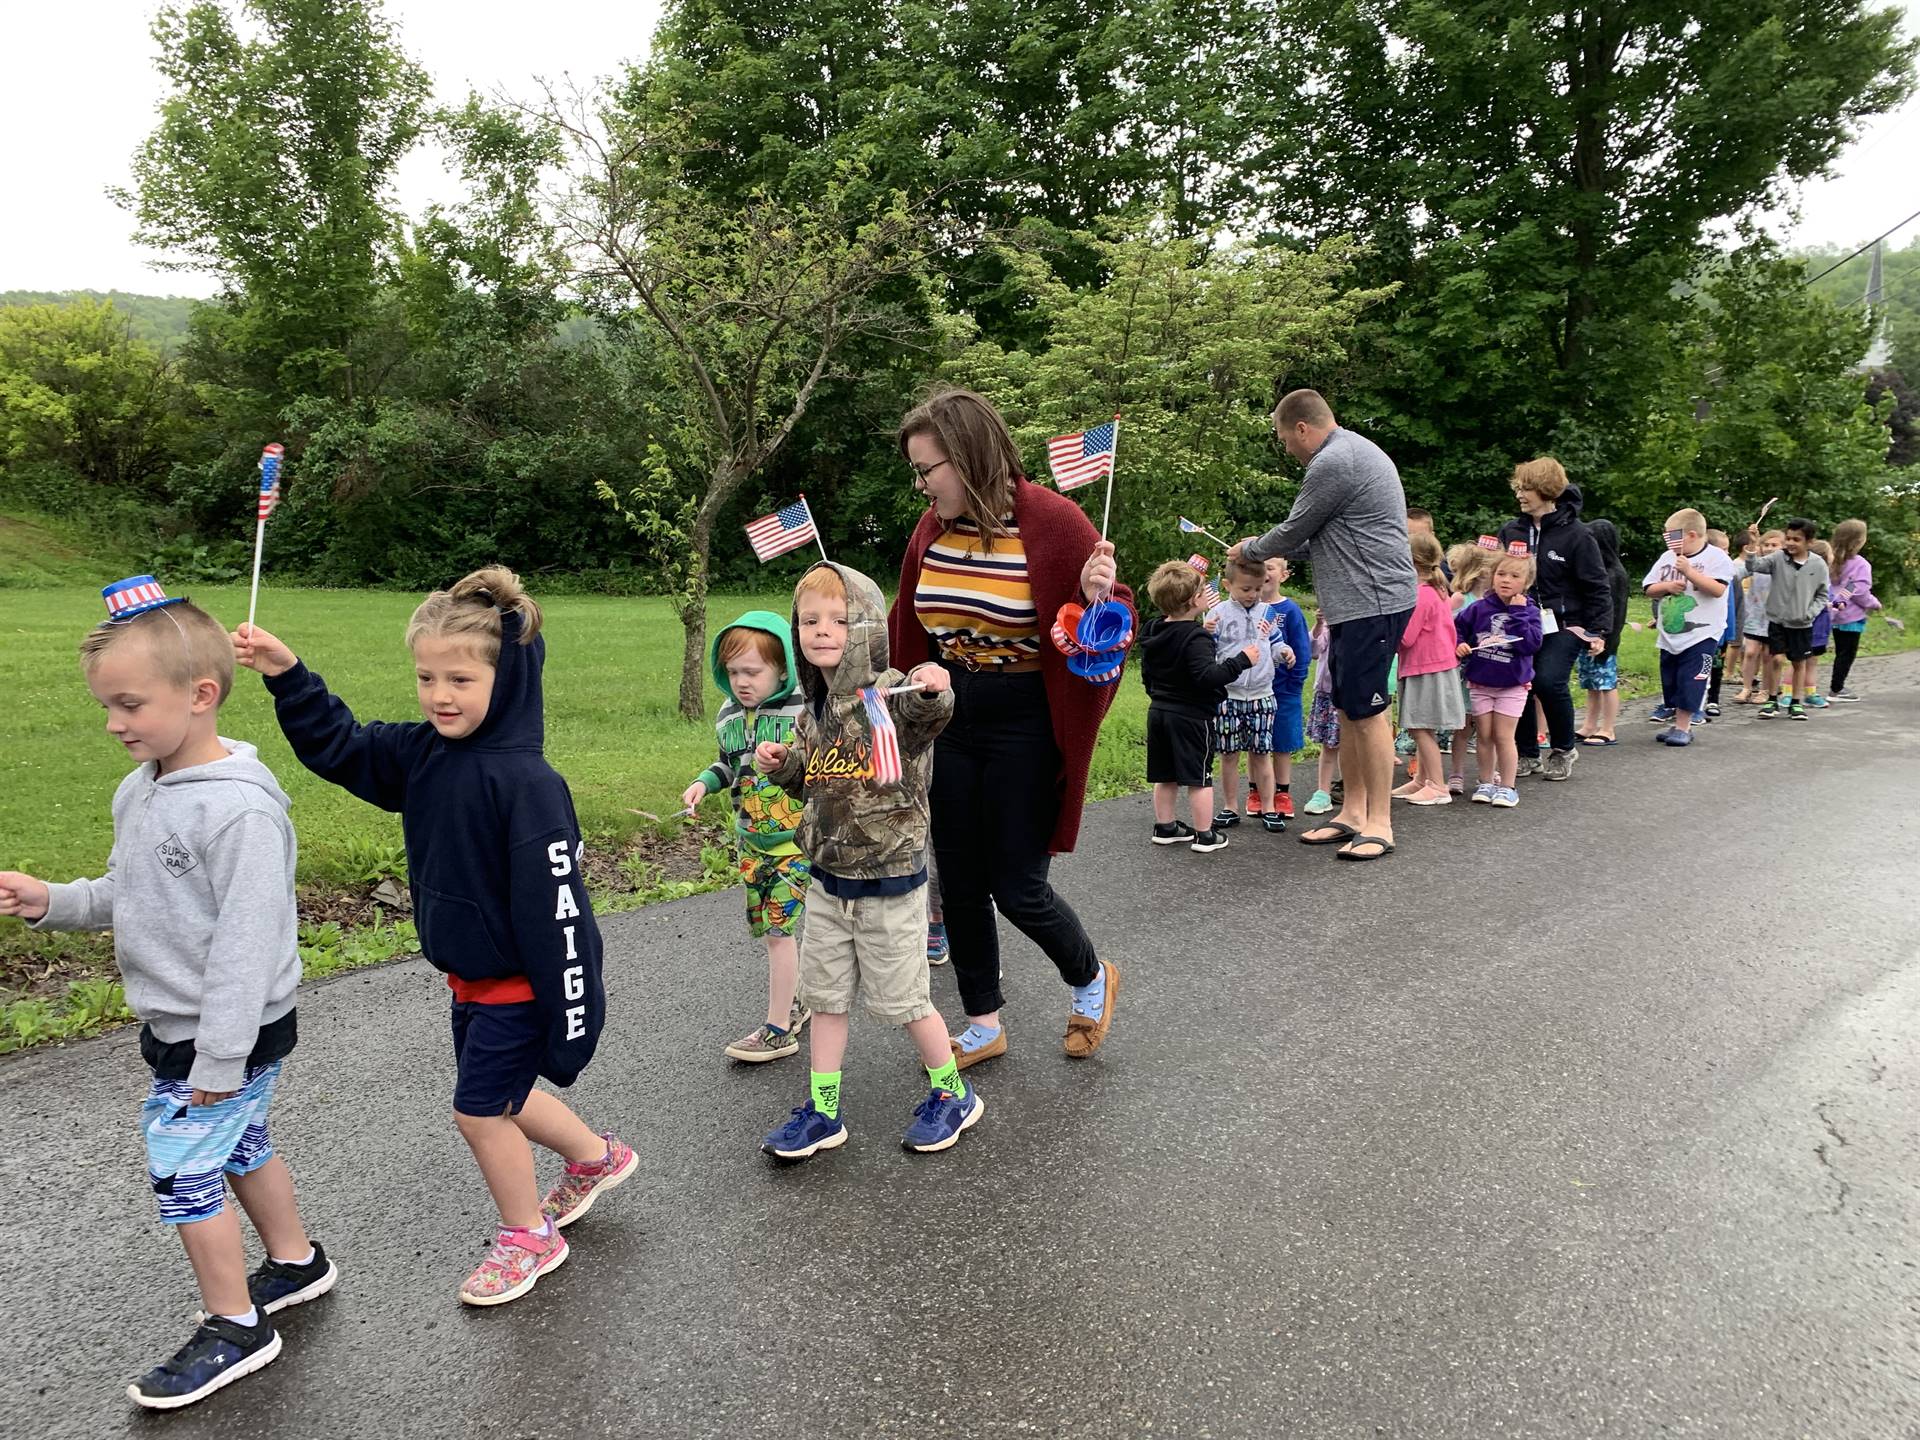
787 528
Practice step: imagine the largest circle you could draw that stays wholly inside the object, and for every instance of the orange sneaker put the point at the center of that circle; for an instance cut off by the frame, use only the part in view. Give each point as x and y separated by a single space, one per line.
1283 805
1253 802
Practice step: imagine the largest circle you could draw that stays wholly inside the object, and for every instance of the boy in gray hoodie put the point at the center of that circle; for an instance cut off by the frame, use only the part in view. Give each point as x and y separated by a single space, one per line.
199 895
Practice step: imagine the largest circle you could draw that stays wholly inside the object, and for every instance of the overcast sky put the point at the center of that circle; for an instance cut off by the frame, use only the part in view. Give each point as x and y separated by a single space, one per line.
81 90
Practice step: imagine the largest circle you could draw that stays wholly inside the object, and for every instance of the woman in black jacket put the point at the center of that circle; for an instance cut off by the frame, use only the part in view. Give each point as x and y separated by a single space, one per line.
1576 607
1600 674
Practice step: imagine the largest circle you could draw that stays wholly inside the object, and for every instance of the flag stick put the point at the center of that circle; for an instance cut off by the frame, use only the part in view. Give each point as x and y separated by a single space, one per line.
1201 530
818 538
1113 464
259 542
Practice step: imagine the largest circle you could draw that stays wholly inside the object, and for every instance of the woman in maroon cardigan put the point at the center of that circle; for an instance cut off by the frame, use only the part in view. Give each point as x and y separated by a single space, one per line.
988 568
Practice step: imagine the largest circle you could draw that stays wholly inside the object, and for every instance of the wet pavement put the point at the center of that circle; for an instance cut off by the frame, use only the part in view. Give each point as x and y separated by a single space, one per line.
1595 1117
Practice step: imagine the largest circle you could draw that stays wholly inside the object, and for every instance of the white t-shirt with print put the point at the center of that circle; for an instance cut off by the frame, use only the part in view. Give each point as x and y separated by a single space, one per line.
1685 620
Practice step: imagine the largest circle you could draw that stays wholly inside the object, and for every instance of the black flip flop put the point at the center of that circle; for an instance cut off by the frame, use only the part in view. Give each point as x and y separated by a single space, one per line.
1343 833
1349 854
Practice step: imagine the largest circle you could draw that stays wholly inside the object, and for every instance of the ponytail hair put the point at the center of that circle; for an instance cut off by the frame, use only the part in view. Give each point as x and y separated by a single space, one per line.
1427 556
471 611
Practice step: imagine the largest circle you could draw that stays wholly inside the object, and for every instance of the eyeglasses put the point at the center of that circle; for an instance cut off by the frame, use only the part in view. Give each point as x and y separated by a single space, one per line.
921 472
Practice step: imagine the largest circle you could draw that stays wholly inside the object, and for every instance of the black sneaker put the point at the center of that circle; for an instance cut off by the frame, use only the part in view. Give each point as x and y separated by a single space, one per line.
277 1285
1176 833
1207 841
219 1353
1225 820
1275 824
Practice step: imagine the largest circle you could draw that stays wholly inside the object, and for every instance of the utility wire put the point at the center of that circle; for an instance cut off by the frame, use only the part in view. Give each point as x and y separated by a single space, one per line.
1863 249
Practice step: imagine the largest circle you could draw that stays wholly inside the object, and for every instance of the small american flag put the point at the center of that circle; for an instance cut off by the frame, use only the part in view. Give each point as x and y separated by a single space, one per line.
270 459
787 528
886 740
1191 528
1082 458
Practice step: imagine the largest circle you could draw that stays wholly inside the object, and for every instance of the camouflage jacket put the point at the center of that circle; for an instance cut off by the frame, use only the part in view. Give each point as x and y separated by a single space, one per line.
852 827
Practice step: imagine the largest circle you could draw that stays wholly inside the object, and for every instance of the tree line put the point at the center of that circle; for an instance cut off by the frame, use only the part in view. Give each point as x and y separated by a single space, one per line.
671 299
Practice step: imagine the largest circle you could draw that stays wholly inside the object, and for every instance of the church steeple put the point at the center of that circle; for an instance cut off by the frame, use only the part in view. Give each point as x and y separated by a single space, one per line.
1879 352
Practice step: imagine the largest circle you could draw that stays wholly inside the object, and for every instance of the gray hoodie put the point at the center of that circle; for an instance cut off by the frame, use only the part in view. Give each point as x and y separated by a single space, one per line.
199 895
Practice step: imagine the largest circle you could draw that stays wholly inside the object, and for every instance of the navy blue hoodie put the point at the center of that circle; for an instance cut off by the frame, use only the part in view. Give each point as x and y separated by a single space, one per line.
493 847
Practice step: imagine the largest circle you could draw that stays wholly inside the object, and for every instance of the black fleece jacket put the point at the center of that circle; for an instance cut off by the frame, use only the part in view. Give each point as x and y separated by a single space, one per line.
1571 577
1178 668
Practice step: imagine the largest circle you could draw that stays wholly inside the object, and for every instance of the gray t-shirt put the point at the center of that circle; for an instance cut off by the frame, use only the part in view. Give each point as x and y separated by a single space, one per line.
1350 522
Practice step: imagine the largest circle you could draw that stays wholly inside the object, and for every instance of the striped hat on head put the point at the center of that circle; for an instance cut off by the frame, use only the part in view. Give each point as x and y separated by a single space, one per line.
136 596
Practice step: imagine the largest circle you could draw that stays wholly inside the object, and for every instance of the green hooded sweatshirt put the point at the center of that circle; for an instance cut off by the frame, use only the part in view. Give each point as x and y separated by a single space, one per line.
765 817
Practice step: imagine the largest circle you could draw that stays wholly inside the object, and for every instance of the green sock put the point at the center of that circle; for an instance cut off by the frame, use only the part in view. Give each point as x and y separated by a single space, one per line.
826 1092
947 1078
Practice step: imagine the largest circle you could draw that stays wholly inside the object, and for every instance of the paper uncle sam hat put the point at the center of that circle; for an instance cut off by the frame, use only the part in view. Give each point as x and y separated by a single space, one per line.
1518 547
128 598
1487 542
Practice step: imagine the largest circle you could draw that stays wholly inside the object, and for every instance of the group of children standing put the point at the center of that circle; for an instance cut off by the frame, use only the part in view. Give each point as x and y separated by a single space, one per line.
1226 675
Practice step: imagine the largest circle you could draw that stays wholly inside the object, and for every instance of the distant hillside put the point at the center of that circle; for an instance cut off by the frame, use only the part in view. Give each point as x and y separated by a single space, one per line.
158 319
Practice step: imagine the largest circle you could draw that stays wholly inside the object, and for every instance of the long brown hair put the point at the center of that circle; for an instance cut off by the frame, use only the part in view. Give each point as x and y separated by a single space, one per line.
1849 539
978 446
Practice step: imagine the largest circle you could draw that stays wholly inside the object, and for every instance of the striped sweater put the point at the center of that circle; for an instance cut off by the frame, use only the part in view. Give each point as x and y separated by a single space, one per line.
977 604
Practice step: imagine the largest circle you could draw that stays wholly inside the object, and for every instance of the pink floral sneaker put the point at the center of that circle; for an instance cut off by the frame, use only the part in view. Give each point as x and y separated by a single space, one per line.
583 1184
518 1259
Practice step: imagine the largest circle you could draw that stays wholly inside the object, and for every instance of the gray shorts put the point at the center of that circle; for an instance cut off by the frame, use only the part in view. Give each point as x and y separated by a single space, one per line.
875 946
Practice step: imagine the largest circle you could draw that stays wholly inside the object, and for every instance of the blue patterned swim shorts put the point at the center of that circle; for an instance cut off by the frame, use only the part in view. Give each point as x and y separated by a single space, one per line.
191 1149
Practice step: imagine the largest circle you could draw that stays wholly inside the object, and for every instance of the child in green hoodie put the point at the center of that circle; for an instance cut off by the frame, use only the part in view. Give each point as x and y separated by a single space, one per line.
753 666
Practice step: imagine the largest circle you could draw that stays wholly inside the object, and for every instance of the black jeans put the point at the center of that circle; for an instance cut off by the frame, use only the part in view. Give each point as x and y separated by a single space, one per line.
1846 645
1551 667
996 776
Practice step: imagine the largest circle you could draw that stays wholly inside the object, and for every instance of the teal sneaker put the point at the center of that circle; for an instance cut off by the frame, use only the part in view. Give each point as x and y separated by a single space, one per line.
1816 702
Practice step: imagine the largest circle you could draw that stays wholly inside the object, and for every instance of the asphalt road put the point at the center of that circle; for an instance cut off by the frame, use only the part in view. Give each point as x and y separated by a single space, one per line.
1591 1118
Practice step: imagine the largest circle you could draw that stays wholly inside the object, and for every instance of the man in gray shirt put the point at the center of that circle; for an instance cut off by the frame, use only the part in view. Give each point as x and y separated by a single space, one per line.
1350 521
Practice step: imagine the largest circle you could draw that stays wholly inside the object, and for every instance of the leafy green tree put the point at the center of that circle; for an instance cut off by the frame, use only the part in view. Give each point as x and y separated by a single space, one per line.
743 312
1188 342
77 390
1544 179
272 166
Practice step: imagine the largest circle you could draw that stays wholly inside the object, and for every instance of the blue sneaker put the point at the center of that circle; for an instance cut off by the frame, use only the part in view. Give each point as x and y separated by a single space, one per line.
219 1353
1816 702
939 1119
938 950
276 1285
806 1132
1660 714
1678 737
1483 793
1505 797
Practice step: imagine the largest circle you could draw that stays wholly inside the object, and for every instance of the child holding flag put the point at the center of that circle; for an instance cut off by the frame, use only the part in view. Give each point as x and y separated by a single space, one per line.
863 781
199 895
493 859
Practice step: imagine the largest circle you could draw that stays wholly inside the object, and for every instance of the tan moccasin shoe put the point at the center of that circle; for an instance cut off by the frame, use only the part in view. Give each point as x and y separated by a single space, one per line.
996 1046
1084 1035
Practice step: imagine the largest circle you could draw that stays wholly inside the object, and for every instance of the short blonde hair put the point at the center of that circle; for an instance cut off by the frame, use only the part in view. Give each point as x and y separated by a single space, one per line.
470 612
184 642
1545 477
822 580
1523 562
1687 520
1173 586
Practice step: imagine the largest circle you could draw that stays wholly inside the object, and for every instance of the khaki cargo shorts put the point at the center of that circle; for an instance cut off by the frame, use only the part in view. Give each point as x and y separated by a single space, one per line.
875 946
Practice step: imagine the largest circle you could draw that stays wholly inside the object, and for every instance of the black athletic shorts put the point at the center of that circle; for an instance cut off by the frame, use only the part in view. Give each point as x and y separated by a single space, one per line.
1360 656
1179 746
1793 641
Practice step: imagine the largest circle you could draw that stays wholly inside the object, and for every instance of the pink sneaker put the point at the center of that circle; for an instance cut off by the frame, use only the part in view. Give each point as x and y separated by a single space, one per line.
517 1260
578 1188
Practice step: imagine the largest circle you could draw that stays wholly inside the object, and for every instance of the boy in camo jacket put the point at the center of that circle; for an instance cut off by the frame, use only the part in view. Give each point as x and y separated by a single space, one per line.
860 762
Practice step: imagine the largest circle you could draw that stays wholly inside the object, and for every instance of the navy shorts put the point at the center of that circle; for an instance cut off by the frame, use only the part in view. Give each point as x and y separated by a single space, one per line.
1360 656
498 1049
1684 677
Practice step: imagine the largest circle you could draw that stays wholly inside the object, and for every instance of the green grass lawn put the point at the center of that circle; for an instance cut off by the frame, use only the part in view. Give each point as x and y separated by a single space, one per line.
612 677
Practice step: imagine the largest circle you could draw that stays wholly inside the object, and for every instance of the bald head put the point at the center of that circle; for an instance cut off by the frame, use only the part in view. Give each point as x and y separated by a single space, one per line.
1303 420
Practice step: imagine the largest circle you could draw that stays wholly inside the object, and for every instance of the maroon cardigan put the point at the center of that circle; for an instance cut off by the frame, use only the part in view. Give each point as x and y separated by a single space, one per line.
1058 538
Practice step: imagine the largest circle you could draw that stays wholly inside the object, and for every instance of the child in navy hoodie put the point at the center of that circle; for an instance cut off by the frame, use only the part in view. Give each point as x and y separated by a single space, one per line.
1499 634
493 859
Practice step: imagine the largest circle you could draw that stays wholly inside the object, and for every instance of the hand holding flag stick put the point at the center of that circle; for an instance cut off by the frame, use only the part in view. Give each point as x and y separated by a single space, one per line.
270 459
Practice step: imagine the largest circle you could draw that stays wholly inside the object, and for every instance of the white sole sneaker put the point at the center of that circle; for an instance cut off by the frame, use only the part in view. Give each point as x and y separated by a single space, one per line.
979 1109
311 1292
612 1181
259 1360
832 1142
525 1285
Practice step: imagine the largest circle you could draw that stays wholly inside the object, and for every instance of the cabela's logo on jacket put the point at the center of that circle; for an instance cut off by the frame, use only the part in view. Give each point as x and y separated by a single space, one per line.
840 760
